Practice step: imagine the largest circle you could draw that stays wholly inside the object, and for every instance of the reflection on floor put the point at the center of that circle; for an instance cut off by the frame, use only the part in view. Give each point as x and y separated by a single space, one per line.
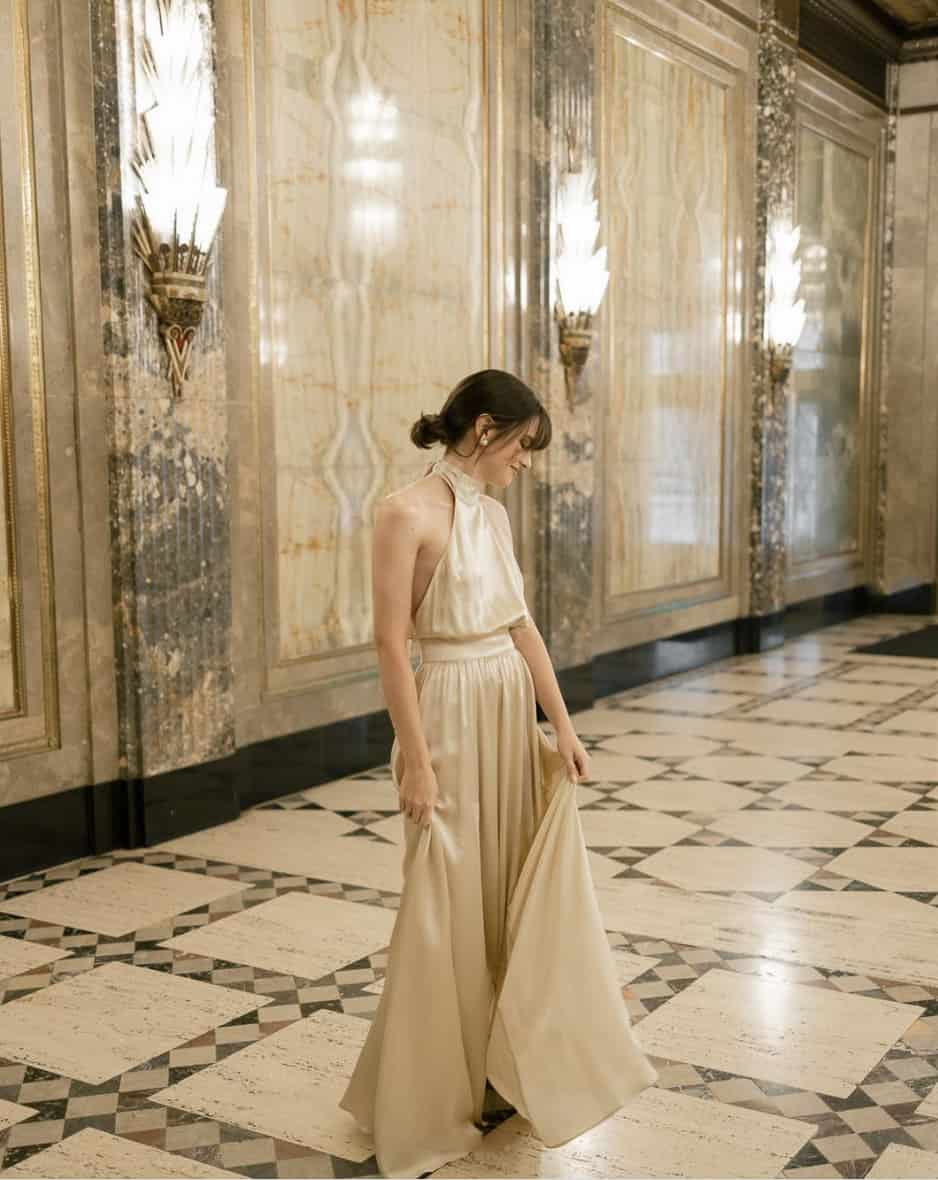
764 839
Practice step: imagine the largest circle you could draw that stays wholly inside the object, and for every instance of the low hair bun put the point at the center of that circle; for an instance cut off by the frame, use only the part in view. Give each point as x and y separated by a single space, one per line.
427 430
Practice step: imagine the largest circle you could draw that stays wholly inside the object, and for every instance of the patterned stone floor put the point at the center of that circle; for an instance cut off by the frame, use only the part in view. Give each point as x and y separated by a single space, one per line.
764 838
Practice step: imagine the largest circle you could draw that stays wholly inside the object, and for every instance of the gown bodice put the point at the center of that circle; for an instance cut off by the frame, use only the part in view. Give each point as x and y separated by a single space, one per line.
477 587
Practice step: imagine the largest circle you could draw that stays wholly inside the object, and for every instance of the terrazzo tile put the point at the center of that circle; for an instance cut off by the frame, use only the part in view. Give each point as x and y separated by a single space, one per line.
817 712
752 869
686 795
355 794
917 825
18 956
620 768
899 1162
895 949
294 934
741 682
887 673
657 1134
92 1153
903 870
790 829
629 966
308 843
645 745
869 905
12 1113
676 700
600 722
891 769
830 795
640 829
287 1086
96 1025
805 1037
914 721
745 769
121 899
859 692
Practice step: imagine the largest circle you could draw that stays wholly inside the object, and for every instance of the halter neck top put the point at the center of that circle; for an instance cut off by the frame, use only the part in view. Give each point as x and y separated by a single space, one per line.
477 587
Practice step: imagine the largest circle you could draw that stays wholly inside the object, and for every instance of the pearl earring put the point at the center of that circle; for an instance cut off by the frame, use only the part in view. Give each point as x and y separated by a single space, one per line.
485 441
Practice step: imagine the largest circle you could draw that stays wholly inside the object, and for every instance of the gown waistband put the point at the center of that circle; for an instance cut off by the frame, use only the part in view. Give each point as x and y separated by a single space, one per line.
475 647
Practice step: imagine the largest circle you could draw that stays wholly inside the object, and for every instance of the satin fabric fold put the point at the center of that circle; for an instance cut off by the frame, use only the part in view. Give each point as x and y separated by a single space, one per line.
499 965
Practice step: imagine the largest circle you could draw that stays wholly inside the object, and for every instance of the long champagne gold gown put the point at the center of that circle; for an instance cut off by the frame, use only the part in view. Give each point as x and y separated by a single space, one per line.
499 965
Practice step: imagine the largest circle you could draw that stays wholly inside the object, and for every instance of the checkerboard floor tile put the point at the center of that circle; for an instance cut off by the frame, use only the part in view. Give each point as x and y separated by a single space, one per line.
831 811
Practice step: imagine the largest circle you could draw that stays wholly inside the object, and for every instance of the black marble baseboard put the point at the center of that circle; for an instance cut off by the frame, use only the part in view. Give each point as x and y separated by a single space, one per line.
94 819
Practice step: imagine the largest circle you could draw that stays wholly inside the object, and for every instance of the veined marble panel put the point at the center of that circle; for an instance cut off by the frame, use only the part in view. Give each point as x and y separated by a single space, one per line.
375 291
833 192
667 210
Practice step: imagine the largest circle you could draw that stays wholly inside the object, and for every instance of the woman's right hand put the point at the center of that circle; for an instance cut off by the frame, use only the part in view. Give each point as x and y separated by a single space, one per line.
418 793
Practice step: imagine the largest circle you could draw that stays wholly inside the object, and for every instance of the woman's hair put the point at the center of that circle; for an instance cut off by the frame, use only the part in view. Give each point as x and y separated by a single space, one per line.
509 402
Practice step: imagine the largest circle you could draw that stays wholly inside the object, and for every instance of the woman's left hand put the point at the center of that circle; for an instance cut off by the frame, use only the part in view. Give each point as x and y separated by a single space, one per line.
575 756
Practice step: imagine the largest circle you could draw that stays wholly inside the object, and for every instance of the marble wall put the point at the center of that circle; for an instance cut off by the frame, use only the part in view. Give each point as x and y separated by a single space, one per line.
911 514
679 126
361 136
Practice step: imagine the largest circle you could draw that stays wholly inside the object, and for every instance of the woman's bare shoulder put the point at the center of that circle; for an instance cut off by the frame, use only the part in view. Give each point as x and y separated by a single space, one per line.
410 503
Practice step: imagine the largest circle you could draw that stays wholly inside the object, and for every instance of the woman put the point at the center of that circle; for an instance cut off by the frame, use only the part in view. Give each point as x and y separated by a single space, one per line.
499 966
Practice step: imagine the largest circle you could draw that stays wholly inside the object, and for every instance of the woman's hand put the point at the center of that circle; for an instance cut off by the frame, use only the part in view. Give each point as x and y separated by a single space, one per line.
574 754
418 794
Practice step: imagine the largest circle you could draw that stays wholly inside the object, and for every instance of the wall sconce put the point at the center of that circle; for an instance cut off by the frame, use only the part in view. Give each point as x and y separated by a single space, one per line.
179 206
784 311
581 273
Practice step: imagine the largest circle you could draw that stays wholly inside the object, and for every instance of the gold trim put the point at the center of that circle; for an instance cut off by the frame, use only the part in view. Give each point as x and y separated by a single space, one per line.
37 377
9 480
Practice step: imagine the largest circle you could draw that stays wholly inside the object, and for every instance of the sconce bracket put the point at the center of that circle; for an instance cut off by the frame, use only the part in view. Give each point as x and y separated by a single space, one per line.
575 337
780 357
178 300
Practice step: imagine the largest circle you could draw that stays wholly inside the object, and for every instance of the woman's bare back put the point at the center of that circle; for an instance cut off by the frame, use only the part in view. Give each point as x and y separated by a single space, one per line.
431 501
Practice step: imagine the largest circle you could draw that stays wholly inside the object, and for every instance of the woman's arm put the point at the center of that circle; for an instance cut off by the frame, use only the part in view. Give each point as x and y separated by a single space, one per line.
529 641
394 554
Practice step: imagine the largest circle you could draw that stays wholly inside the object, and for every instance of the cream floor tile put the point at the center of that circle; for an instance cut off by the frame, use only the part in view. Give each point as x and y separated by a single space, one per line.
899 1162
745 769
18 956
603 869
811 742
620 768
892 949
829 795
391 828
778 1031
858 692
99 1024
816 712
676 700
643 745
929 703
637 829
600 722
917 825
929 1108
791 829
287 1086
294 934
906 745
883 672
12 1113
630 966
93 1153
586 795
868 905
790 663
803 738
903 870
923 721
747 683
121 899
354 794
687 795
658 1134
308 843
887 769
752 869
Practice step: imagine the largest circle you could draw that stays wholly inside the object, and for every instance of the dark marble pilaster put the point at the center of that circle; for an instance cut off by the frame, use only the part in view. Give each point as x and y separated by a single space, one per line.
886 292
168 470
561 100
775 187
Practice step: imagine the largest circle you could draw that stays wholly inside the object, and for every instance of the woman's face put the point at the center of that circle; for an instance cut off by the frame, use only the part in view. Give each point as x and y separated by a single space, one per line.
502 460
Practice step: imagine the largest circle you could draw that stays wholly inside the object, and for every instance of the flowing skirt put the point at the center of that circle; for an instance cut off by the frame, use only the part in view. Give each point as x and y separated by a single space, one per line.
499 966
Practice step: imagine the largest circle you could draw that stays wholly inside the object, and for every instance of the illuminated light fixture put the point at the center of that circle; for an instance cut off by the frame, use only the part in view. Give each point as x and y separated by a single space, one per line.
581 273
784 311
179 206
